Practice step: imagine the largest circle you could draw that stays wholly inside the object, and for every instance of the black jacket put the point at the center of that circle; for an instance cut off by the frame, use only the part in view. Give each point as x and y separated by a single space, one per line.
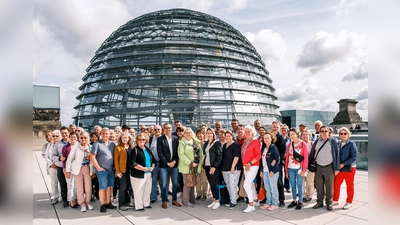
280 143
164 153
137 158
215 154
272 154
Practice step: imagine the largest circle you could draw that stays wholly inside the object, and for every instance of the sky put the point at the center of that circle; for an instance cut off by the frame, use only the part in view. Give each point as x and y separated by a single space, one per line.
315 51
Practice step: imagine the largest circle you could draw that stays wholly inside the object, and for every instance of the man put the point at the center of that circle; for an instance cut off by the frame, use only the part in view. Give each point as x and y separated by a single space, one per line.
280 144
203 128
167 148
79 131
234 125
325 152
302 127
125 128
102 158
317 127
143 128
156 170
218 127
151 130
240 135
72 128
284 131
47 149
132 131
177 123
257 124
97 130
57 159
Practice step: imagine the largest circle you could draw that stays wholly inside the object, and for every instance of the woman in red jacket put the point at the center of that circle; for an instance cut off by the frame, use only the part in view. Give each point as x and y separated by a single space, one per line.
251 156
296 165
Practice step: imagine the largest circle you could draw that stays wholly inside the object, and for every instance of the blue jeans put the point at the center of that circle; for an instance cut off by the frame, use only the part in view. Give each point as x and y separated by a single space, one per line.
296 183
164 182
154 179
106 179
271 185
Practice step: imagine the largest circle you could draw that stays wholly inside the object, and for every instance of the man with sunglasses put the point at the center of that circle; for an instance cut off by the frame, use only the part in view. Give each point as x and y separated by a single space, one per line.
156 170
325 152
58 159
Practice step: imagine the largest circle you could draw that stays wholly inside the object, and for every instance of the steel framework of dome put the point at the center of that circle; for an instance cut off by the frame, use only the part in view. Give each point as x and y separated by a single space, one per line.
175 64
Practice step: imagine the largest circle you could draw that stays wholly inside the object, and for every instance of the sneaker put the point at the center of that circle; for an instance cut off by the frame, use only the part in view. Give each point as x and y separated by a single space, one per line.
115 201
65 204
110 206
152 201
227 205
281 204
347 206
198 197
256 203
190 205
204 197
76 206
232 206
265 206
216 205
140 210
291 205
211 205
103 208
249 209
130 205
299 206
335 203
148 207
272 207
307 200
90 207
83 209
54 201
123 208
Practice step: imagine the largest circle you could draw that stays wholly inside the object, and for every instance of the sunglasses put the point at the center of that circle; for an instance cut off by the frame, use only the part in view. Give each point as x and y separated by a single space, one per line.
56 136
157 129
83 138
343 133
323 131
142 140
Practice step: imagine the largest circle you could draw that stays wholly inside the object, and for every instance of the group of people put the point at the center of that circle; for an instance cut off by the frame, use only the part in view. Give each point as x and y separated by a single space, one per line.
245 159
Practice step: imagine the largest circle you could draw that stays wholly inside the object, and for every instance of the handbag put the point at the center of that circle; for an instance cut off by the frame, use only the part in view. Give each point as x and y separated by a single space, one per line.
262 193
242 192
191 177
312 165
346 169
297 156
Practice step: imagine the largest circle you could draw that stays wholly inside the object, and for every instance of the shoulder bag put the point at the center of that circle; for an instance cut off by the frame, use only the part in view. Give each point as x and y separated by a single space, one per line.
297 156
312 165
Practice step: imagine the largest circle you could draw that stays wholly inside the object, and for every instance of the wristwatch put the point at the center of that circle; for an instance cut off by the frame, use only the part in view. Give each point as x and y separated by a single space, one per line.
251 163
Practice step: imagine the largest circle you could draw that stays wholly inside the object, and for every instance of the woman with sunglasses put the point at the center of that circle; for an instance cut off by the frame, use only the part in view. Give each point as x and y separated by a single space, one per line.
78 163
347 156
142 164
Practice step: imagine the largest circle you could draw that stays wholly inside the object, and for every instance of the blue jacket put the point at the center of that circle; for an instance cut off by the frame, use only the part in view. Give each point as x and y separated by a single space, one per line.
335 152
348 153
272 154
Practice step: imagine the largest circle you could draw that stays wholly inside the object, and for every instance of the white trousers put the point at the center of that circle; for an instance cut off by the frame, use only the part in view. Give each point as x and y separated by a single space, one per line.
249 185
141 190
55 191
71 194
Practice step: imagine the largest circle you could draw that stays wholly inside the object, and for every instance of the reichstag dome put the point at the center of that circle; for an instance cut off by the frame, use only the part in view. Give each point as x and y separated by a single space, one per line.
175 64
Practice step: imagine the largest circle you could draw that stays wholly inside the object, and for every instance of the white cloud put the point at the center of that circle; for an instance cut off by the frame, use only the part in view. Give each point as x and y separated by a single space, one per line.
359 71
325 50
228 6
362 94
269 44
345 7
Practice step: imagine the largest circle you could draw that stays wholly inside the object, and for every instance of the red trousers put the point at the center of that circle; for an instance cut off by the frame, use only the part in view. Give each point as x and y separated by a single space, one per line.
349 178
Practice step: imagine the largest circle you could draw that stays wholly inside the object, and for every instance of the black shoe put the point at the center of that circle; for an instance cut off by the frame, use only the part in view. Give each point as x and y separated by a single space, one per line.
148 207
54 201
204 197
299 206
281 204
262 202
140 210
65 204
103 208
307 200
318 205
291 205
329 207
288 190
198 197
239 199
110 206
170 193
76 206
152 201
232 206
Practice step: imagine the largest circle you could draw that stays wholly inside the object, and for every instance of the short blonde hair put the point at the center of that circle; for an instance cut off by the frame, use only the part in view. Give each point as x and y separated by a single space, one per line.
345 129
143 135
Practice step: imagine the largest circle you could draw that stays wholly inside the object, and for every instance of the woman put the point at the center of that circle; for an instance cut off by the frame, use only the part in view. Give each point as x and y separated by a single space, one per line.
71 195
231 167
143 163
51 167
251 156
261 132
269 170
179 132
121 163
292 167
113 138
190 157
221 136
308 181
78 163
348 156
94 137
212 151
201 178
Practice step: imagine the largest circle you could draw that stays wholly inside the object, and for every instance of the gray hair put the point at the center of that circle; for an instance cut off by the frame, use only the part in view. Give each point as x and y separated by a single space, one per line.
253 131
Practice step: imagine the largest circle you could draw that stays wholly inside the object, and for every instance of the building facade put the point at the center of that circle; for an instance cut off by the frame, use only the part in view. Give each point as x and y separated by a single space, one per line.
293 118
175 64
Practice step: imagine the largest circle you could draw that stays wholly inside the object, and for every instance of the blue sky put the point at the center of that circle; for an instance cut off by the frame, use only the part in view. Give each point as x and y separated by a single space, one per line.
316 51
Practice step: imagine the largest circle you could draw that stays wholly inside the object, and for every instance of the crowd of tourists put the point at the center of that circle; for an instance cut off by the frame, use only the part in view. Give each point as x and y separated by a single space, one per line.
126 170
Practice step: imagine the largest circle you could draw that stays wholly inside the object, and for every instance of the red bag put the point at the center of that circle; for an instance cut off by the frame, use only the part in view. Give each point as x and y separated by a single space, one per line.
262 193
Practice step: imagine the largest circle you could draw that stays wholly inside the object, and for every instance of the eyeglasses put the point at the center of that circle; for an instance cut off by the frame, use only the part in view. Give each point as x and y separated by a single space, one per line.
83 138
142 140
157 129
343 133
56 136
323 131
167 127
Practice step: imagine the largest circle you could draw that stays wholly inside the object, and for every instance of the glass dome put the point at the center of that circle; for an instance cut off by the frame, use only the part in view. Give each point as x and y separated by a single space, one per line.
175 64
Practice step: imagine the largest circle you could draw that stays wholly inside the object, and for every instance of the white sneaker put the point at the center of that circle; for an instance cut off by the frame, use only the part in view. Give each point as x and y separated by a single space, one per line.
211 205
249 209
83 209
347 206
256 203
335 203
90 207
216 205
